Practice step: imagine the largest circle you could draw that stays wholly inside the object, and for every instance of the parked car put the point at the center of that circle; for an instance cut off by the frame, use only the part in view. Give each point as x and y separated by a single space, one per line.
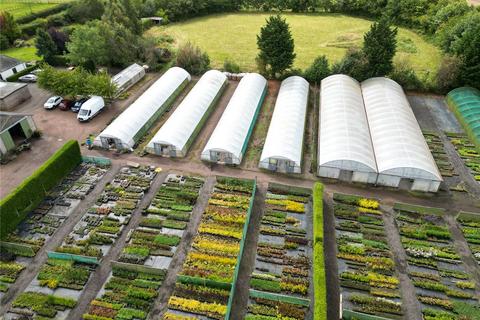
28 78
37 71
53 102
65 104
90 108
78 104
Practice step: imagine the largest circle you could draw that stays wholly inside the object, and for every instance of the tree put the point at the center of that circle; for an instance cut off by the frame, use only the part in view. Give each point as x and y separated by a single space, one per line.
318 70
87 46
82 11
379 47
123 12
354 64
192 59
276 45
121 44
46 48
8 26
60 38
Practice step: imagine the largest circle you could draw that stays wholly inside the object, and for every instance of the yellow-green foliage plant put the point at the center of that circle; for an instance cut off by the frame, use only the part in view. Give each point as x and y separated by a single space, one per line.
319 278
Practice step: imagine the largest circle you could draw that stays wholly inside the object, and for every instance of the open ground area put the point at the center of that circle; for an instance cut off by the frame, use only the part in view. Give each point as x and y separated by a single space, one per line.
314 35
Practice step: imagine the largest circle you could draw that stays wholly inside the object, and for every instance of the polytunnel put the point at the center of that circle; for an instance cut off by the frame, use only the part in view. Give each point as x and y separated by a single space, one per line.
128 77
137 119
229 140
345 148
465 103
178 133
401 151
283 148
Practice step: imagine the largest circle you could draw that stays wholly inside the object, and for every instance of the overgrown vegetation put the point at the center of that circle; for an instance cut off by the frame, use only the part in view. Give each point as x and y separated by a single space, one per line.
192 59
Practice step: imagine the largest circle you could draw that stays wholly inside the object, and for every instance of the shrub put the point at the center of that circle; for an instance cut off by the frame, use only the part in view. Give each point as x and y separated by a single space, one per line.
404 74
192 59
319 276
31 28
30 193
25 71
231 66
318 70
43 13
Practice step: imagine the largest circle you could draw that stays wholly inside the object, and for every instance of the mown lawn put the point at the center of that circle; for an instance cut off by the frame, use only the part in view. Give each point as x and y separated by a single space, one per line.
233 36
21 8
25 53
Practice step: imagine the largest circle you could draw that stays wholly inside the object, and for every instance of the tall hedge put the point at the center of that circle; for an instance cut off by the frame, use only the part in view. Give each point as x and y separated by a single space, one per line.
319 279
30 193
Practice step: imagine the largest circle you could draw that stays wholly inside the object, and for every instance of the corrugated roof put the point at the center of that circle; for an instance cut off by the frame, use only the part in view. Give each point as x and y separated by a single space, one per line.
7 62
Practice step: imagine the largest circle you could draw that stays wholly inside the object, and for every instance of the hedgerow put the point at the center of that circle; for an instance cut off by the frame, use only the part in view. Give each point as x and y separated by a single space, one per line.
30 193
319 279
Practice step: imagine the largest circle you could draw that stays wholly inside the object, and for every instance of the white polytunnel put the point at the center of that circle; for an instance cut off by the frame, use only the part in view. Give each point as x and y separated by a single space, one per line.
128 77
137 119
178 133
229 140
400 148
283 148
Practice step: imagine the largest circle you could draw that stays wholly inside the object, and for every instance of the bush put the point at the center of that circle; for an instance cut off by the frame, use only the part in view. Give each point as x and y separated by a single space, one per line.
404 74
31 28
319 276
447 76
58 61
231 66
30 193
318 70
192 59
43 13
354 64
4 43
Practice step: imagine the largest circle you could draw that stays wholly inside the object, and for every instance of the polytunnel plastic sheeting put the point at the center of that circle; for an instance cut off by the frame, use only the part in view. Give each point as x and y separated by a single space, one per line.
285 134
124 76
398 142
344 137
182 123
132 120
466 101
233 128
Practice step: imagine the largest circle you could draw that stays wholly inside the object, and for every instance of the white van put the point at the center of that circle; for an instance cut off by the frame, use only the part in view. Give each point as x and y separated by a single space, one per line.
90 108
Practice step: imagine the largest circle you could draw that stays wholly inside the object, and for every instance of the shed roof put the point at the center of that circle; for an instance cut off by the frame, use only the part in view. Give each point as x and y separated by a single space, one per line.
232 129
398 142
7 88
285 134
179 127
7 62
9 119
344 137
132 120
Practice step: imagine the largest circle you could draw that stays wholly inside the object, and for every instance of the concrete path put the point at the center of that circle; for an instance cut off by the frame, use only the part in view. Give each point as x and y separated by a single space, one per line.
56 240
101 274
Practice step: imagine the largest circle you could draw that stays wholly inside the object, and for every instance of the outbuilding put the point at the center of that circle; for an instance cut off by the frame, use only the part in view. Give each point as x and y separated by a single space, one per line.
178 133
128 77
125 131
10 66
12 94
283 148
14 129
229 140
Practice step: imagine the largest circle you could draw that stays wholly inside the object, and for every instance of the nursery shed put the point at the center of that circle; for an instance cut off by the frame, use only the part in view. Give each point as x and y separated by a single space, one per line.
465 103
230 138
177 134
15 128
283 148
345 148
128 77
402 154
137 119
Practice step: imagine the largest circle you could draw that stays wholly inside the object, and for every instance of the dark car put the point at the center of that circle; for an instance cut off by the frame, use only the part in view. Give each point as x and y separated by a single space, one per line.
65 104
78 104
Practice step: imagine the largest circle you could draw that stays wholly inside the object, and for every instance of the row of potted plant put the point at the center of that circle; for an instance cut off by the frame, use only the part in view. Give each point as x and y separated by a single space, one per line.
470 225
468 152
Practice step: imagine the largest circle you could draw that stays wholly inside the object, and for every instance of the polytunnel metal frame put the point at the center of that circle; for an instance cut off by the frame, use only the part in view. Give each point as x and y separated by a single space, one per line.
129 76
465 104
283 148
401 152
229 140
180 130
138 118
345 149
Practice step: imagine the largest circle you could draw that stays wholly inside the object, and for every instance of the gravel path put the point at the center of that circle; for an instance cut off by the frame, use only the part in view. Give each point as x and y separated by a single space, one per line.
410 305
56 240
240 296
103 271
161 302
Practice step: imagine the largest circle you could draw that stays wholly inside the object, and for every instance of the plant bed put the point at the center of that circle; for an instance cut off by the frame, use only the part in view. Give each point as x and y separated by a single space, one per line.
468 152
470 225
206 283
366 268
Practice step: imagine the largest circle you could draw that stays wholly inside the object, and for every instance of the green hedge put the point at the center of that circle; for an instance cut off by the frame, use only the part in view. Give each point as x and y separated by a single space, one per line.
27 70
204 282
42 14
30 193
30 29
319 278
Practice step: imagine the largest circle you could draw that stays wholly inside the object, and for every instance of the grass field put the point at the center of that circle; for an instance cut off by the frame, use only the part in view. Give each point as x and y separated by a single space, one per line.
20 8
234 36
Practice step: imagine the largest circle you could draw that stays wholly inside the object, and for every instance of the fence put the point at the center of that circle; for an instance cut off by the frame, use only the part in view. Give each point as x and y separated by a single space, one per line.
240 254
138 268
74 257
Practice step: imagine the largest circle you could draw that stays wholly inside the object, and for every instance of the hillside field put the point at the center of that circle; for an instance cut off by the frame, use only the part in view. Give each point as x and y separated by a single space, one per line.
21 8
233 36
